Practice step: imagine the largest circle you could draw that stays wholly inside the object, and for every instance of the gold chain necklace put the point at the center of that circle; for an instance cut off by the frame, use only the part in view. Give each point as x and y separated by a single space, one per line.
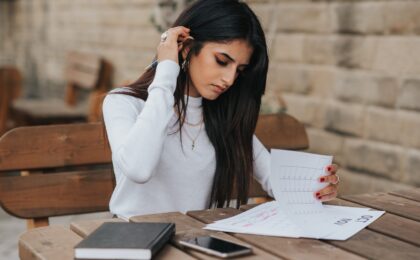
200 123
184 119
196 124
194 139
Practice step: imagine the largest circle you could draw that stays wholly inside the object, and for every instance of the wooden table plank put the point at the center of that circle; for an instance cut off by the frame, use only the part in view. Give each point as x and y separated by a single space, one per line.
397 205
412 194
378 246
188 227
289 248
389 224
85 227
48 243
374 245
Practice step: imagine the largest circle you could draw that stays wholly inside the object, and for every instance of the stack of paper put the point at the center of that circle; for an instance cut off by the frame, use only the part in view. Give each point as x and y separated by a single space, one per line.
296 212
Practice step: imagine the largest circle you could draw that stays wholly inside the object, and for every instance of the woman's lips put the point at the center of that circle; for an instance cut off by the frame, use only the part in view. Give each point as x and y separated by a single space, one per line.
218 89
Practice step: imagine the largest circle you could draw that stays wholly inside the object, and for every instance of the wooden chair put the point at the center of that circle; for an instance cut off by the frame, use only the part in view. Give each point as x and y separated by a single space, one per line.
83 73
54 189
10 87
69 170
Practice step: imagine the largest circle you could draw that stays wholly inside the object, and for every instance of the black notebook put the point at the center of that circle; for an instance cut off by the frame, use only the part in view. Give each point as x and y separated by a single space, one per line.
125 241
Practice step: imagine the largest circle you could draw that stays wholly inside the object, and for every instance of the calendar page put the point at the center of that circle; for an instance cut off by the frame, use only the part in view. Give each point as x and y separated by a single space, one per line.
295 212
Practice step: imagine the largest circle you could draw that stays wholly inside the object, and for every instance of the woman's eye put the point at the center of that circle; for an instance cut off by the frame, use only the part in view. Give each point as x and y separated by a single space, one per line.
221 62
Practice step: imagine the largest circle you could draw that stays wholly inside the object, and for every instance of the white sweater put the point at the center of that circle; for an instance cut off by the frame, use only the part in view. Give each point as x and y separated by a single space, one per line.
153 173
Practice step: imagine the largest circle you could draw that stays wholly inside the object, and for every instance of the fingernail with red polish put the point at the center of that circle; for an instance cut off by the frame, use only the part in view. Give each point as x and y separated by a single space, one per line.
319 197
329 168
322 179
317 194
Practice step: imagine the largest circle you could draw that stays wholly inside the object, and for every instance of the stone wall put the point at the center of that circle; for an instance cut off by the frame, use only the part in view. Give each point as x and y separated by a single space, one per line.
37 34
348 69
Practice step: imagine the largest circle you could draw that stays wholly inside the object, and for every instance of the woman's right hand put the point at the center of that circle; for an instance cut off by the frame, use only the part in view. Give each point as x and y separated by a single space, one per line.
168 49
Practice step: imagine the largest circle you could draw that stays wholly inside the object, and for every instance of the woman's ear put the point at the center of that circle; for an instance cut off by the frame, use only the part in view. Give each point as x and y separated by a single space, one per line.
186 47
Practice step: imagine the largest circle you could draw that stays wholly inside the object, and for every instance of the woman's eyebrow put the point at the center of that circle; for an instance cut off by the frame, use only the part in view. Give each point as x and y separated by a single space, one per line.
230 58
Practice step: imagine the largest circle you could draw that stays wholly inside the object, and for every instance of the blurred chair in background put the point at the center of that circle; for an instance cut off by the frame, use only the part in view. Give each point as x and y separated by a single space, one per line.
83 73
10 89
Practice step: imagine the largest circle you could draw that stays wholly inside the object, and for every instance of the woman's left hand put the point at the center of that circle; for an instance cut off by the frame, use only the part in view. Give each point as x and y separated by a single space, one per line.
329 192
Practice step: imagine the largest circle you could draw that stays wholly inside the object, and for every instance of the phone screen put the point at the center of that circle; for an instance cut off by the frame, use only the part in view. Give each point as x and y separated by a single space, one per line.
217 244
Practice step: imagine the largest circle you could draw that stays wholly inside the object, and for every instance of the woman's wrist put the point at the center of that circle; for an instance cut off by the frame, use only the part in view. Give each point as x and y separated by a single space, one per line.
166 75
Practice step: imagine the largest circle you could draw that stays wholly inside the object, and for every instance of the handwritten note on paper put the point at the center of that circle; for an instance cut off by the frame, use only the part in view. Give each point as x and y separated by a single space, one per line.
266 219
296 212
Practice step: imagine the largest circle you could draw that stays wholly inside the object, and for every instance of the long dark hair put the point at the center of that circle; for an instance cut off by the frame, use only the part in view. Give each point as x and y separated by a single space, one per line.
230 120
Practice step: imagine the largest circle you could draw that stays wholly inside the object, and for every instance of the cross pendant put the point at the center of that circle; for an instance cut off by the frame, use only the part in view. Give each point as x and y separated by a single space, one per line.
193 145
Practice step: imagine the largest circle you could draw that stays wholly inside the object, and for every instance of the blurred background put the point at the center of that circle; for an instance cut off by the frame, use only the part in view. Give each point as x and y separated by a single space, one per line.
348 69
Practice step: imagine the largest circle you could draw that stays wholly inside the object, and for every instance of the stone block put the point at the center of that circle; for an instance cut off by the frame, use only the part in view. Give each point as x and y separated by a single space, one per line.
303 17
394 55
412 175
345 118
353 182
126 18
303 79
402 17
409 96
366 89
289 79
410 125
376 158
320 49
146 39
322 81
344 51
398 127
323 142
277 1
306 109
359 17
383 125
289 48
265 13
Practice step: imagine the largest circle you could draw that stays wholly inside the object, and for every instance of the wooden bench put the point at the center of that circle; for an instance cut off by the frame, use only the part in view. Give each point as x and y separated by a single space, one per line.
84 73
67 168
10 87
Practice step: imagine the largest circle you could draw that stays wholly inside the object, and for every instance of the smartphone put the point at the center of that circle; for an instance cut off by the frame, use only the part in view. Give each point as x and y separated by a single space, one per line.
216 246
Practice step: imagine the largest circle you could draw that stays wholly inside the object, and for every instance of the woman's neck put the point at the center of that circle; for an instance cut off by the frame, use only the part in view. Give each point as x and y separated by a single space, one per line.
192 91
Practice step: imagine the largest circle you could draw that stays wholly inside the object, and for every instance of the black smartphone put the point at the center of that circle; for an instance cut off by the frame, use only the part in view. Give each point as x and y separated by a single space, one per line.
216 246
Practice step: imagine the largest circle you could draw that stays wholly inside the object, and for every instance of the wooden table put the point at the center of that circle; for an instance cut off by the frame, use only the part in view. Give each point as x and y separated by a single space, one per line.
396 235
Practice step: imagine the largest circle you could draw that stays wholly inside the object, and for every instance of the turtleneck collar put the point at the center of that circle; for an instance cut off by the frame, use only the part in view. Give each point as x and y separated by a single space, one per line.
193 102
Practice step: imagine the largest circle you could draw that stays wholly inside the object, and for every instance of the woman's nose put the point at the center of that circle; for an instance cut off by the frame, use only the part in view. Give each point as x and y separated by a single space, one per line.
229 77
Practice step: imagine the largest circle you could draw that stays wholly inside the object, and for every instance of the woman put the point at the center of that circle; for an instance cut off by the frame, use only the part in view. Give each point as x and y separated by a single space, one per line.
182 137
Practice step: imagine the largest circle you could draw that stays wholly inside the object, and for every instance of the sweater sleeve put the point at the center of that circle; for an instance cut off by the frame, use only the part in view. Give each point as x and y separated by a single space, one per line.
262 167
136 135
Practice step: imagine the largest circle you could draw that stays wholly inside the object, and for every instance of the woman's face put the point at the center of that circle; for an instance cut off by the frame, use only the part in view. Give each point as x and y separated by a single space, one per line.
216 67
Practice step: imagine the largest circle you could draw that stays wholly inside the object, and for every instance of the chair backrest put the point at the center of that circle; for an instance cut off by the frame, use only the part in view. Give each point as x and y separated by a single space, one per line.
70 168
62 190
281 131
10 88
88 72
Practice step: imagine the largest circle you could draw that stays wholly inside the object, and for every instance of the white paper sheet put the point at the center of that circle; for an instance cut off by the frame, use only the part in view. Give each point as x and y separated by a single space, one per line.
296 212
295 178
334 223
261 220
